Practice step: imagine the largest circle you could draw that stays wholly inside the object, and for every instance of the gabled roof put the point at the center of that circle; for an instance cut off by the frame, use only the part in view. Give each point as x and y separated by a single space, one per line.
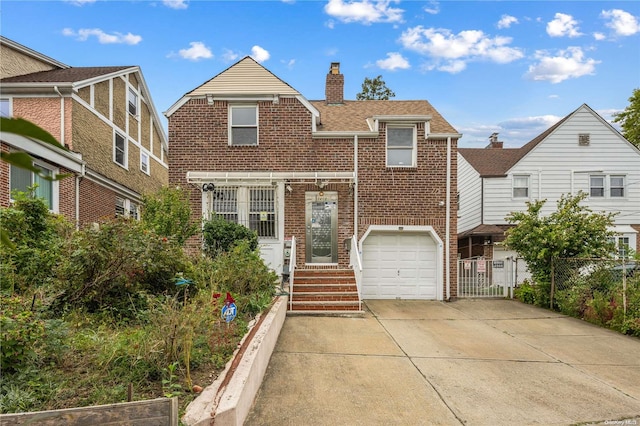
496 162
353 115
67 75
32 53
244 77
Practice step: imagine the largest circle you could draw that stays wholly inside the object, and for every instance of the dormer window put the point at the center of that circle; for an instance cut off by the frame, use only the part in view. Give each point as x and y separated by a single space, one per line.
243 125
401 146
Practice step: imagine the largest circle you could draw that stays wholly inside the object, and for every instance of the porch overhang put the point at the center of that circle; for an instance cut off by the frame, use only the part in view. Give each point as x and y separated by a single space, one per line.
198 177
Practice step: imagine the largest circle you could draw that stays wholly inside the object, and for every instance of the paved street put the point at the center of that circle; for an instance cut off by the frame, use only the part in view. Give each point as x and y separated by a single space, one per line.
474 362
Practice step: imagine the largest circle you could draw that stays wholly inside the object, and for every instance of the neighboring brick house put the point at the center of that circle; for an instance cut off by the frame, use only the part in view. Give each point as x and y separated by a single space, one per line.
581 152
251 148
106 119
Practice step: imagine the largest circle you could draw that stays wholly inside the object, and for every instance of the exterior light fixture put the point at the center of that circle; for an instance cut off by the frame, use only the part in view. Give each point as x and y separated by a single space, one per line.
208 187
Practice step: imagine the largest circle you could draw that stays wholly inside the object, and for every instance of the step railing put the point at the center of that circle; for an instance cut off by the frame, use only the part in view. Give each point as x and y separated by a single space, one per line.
355 262
292 270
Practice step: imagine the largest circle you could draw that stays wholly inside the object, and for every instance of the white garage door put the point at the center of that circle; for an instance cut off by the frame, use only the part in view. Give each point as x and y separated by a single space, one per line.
399 265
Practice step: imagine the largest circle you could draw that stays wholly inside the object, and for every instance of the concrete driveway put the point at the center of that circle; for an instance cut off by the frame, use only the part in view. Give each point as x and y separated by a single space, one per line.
473 362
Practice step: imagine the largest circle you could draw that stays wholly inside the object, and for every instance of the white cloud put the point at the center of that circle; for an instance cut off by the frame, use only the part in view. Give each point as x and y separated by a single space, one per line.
103 38
366 11
569 63
433 8
176 4
196 52
506 21
289 64
563 25
599 36
554 96
79 2
394 61
259 54
230 55
451 52
622 23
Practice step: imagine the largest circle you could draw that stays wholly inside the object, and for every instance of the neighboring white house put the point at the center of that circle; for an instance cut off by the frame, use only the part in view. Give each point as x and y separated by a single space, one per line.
582 152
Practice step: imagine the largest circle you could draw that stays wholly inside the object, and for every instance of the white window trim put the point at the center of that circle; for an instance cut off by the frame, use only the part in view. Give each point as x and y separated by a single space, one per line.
126 150
55 184
131 90
514 187
144 154
606 178
231 126
414 149
126 205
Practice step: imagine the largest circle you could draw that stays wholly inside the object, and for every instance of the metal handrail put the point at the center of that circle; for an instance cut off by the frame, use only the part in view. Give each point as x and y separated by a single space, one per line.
292 270
355 262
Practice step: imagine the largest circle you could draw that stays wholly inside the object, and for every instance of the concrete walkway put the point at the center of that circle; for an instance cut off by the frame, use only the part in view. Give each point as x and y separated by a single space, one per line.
473 362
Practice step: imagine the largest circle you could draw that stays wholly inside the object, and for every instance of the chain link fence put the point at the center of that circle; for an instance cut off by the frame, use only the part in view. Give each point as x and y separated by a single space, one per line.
602 291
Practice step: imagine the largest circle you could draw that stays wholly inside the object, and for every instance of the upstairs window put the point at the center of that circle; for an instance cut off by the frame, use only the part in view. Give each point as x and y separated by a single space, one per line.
596 186
616 186
144 162
401 146
520 186
5 108
120 150
133 102
244 125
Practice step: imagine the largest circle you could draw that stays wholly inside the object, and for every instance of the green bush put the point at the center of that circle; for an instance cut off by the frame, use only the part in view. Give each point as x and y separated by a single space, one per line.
111 269
22 333
220 236
168 214
525 292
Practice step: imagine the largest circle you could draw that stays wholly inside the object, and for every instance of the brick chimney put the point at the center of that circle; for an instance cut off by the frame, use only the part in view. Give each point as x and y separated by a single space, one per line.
494 142
334 89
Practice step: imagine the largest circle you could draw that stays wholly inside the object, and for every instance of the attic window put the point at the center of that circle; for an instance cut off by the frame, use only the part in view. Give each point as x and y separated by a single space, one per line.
584 139
244 125
133 102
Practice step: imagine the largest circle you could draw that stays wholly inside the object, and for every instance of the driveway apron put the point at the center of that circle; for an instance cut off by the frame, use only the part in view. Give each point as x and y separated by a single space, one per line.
475 362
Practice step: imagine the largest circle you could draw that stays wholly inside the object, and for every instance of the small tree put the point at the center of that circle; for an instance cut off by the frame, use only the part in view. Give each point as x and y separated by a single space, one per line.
629 119
572 230
168 214
375 89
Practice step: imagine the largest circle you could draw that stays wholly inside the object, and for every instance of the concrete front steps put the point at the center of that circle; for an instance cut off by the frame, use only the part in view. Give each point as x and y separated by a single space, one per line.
325 292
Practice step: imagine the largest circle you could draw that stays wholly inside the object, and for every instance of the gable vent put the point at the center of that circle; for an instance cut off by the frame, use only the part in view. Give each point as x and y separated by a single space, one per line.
584 139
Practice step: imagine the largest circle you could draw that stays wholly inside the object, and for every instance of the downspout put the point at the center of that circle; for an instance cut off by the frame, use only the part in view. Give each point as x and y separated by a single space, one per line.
355 186
78 180
448 220
55 88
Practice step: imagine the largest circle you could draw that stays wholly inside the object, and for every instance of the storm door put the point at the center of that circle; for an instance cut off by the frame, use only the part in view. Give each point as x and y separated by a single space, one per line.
321 221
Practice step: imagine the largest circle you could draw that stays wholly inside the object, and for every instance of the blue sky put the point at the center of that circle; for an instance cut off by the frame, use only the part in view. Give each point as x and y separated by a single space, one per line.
512 67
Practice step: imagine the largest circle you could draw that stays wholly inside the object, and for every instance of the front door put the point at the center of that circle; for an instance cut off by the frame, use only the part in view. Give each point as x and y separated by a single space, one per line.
322 227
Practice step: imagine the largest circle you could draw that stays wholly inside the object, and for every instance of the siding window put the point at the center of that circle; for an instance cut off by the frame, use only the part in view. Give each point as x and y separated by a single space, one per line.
144 162
21 180
120 150
244 125
133 102
401 146
253 207
616 186
596 186
5 108
520 186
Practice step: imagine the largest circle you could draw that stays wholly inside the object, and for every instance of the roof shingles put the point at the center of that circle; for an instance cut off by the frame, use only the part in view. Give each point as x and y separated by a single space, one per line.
67 75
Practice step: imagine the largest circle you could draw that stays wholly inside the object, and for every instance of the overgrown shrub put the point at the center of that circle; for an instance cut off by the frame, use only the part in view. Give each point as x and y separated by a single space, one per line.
220 236
168 214
525 292
113 266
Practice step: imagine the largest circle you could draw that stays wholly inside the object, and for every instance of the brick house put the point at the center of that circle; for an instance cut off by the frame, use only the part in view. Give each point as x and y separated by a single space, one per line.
117 148
581 152
347 183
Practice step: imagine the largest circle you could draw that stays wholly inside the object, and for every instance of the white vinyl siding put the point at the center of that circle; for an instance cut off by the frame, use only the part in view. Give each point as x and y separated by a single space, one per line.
470 189
558 166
